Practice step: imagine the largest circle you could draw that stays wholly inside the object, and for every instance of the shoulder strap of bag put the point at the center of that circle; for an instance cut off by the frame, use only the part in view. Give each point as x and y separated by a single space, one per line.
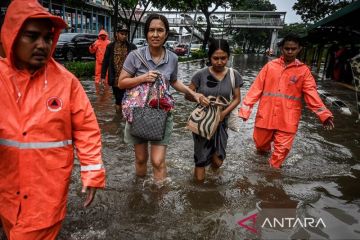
232 79
141 58
156 83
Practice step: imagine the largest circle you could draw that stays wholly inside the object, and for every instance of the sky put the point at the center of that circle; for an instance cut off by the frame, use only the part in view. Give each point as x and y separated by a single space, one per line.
286 6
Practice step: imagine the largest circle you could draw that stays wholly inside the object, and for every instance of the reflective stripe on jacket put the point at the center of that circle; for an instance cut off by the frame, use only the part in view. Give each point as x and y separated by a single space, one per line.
280 90
43 116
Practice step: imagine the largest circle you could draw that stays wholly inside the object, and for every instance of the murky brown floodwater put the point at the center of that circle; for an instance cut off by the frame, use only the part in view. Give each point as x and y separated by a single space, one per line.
320 179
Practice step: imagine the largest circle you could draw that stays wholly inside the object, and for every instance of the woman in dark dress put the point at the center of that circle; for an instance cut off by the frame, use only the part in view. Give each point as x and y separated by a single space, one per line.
214 81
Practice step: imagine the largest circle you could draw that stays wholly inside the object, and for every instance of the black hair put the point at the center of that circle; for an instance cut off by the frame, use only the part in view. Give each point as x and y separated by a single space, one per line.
291 37
216 44
156 16
2 17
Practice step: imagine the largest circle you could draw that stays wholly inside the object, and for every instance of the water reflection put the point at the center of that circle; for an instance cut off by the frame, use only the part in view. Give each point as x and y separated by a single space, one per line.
320 178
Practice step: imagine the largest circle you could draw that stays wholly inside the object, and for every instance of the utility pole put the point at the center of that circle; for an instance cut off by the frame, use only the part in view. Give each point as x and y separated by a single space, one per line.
222 32
192 30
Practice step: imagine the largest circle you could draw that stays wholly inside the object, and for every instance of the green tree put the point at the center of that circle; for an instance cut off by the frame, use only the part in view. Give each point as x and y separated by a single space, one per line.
206 7
130 11
295 28
314 10
253 5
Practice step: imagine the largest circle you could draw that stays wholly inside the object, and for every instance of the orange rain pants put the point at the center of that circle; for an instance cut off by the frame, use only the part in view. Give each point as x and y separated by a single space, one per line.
15 232
282 144
98 71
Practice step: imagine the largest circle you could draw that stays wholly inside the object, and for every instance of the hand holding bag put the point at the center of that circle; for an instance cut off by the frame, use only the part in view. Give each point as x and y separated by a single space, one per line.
149 123
137 96
204 121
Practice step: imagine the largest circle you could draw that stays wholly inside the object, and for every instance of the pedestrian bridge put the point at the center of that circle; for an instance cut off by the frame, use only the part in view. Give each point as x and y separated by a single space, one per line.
224 21
227 19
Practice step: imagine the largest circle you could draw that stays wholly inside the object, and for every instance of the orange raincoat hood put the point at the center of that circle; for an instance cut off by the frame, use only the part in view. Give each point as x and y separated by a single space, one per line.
102 32
17 13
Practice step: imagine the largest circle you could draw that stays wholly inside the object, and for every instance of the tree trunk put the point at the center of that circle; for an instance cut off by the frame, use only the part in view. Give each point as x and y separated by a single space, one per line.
208 29
115 17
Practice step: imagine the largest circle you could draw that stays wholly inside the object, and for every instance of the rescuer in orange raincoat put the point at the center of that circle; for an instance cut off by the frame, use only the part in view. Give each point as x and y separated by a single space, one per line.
99 48
280 86
45 114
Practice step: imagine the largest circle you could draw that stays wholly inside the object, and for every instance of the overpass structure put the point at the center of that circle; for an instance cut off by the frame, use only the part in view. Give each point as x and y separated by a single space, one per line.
221 21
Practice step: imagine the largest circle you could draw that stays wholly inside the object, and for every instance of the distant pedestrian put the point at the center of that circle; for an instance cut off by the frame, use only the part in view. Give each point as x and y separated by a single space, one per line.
280 86
114 58
215 80
45 114
98 48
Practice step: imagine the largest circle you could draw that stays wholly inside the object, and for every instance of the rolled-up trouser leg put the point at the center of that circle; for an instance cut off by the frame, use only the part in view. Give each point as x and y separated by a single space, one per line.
263 138
282 145
15 232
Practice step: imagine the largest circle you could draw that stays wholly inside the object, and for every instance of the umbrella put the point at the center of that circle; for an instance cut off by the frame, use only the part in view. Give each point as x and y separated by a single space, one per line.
355 67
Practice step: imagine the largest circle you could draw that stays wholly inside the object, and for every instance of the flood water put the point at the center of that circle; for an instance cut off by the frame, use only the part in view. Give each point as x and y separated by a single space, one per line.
320 179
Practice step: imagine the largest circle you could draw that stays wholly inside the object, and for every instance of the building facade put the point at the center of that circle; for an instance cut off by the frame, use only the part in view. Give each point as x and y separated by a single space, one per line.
88 16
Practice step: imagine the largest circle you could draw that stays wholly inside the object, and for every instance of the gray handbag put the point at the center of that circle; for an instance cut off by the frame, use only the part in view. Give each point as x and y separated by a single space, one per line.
149 123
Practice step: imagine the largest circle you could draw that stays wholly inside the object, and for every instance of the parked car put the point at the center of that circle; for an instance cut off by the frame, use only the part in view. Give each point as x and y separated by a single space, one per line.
181 49
74 46
170 45
195 47
139 42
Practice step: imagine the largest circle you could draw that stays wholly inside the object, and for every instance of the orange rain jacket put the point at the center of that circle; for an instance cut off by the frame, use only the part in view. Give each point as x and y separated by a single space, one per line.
99 48
43 117
280 89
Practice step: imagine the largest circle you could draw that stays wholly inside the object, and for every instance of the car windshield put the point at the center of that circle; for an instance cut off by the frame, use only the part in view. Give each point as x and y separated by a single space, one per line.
66 37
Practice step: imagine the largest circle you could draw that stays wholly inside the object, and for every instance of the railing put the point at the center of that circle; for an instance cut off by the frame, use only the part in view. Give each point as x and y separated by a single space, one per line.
255 21
230 19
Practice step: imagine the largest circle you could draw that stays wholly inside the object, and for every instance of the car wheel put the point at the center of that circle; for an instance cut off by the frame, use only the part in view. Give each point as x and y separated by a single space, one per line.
69 56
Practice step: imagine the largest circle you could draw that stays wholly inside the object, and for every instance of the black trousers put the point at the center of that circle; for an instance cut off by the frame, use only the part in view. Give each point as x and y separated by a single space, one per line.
118 94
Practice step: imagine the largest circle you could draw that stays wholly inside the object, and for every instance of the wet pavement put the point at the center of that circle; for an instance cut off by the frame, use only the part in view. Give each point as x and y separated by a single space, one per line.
320 179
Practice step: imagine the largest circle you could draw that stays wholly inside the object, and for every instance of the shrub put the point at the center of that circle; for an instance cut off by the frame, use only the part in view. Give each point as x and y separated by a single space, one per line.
195 55
199 54
81 69
237 51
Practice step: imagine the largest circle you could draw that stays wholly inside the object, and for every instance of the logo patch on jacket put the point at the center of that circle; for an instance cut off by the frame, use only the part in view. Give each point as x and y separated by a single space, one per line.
54 104
293 79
